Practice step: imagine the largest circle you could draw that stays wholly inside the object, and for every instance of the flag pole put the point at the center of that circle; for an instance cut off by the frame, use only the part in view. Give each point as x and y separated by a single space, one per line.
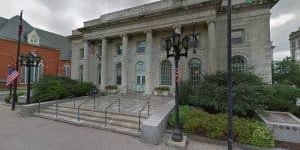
13 106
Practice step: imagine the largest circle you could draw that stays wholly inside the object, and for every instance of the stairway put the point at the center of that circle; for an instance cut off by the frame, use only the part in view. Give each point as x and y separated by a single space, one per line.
120 123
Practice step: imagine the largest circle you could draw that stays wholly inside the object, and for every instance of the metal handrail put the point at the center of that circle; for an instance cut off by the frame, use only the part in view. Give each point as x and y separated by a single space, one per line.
109 106
140 113
81 104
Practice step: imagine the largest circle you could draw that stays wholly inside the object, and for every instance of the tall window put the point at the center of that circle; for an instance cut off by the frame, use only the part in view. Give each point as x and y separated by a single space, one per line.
141 46
67 70
81 73
119 49
35 73
99 73
166 73
81 53
195 71
237 37
239 64
119 73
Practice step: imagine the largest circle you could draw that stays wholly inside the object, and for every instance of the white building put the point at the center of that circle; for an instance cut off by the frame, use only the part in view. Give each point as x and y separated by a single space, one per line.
295 45
132 51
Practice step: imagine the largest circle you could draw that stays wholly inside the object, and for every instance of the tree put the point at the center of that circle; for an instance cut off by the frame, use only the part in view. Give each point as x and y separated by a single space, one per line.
286 71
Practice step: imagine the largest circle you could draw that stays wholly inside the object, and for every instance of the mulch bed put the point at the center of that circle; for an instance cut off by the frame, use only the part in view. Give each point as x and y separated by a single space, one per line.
287 145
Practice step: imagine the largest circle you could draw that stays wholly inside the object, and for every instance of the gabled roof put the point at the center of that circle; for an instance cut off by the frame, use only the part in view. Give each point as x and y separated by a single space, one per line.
9 30
2 20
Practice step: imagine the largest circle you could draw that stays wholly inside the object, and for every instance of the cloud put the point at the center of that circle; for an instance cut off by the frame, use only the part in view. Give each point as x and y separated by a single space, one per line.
279 55
282 20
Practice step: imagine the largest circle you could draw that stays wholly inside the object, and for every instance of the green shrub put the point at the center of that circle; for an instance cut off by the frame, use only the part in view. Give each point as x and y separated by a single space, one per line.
183 115
162 88
247 131
261 136
109 87
54 87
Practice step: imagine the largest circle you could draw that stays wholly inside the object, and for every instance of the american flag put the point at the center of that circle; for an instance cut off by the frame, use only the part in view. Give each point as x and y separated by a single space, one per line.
12 75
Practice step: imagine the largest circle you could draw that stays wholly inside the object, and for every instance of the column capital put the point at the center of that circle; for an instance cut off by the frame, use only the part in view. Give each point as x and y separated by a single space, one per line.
148 31
103 38
177 28
210 21
123 35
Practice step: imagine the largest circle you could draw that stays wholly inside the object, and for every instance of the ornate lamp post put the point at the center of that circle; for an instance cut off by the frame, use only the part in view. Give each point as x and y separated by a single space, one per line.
29 61
177 47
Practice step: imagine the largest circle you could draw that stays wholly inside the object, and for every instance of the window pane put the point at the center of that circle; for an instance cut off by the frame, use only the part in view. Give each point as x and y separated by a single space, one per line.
237 37
166 73
119 49
81 53
141 46
195 71
118 73
238 64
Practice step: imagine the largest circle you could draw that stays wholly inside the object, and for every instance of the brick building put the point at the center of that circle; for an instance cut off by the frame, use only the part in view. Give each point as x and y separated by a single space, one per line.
54 50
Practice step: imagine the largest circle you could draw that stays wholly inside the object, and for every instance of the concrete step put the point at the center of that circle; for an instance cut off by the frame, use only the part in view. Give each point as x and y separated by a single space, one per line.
92 124
87 116
99 114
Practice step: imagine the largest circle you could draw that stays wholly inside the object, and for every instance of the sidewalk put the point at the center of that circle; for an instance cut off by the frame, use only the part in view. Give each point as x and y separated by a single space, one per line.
19 133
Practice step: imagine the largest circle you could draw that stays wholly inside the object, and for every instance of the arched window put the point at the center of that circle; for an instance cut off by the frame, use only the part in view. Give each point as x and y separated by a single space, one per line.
195 71
36 73
81 73
239 64
165 73
119 73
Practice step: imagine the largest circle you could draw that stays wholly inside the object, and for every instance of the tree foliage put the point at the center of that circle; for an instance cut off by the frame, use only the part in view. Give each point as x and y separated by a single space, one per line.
286 72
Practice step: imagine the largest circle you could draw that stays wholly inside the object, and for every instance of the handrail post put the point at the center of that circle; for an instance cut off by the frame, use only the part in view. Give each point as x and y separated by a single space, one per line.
94 99
148 108
74 105
39 109
139 123
105 118
78 113
119 105
56 110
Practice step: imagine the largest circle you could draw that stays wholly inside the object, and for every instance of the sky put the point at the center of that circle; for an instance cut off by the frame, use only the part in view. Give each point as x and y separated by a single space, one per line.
63 16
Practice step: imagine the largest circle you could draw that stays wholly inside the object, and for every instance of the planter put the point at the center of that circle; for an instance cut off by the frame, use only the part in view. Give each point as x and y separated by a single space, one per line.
111 91
161 93
285 126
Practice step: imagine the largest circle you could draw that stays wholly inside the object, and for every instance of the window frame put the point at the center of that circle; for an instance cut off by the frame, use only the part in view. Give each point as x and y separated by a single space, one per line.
239 64
138 43
166 73
194 66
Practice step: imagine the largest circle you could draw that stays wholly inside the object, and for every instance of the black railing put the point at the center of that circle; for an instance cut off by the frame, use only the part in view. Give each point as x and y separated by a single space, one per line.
109 106
140 113
81 104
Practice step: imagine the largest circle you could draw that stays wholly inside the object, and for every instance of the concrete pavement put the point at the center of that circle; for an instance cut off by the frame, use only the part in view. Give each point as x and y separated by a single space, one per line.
29 133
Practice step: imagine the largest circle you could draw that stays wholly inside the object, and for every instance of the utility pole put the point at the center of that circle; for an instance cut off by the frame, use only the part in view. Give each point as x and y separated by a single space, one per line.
17 62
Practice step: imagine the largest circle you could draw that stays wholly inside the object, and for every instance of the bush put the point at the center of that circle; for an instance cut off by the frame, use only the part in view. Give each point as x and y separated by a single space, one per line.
183 115
283 99
247 131
54 87
109 87
249 94
162 88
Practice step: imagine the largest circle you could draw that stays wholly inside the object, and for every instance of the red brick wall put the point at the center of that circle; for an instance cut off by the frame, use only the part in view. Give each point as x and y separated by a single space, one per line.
50 57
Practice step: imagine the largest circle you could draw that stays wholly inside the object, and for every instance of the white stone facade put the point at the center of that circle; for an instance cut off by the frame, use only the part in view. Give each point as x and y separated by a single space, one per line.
295 45
149 24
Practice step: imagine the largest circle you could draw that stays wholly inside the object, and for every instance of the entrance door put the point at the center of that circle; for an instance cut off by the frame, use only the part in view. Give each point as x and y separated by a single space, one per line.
140 76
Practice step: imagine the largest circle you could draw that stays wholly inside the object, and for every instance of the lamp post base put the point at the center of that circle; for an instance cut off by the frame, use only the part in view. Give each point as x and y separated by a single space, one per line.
182 145
177 135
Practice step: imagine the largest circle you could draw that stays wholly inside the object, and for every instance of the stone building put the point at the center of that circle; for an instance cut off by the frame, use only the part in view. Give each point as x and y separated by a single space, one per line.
295 45
130 43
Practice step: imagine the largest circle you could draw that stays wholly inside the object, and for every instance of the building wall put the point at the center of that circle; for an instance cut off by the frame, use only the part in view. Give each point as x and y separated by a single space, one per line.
50 57
212 52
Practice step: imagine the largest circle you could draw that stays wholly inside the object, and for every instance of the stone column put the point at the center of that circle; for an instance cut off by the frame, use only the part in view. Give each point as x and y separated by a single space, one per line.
124 62
212 59
86 61
148 60
103 63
